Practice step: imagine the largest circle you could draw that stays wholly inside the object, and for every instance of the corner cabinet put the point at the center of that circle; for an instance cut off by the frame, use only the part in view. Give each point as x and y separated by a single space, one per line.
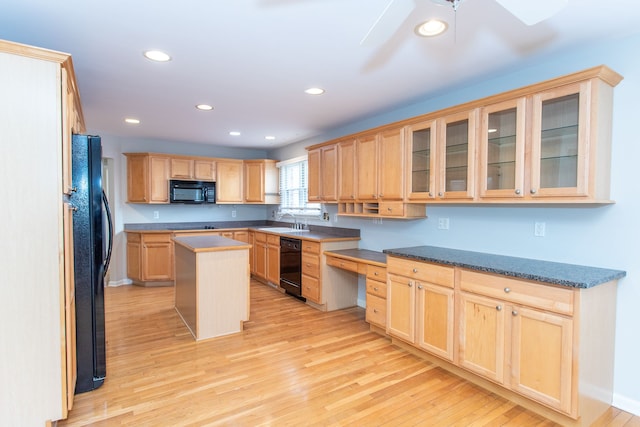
150 258
39 314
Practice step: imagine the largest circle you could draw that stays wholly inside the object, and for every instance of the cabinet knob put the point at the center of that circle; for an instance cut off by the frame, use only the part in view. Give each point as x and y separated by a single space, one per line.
419 286
415 270
499 307
375 289
373 195
353 197
341 264
389 209
514 312
533 191
507 290
375 273
440 194
380 195
430 194
375 311
410 284
517 191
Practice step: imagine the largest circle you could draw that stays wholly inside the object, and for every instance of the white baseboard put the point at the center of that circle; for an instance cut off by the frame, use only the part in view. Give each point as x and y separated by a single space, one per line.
120 282
626 404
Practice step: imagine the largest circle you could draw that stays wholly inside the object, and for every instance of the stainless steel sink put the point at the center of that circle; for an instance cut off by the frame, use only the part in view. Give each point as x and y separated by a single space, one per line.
282 230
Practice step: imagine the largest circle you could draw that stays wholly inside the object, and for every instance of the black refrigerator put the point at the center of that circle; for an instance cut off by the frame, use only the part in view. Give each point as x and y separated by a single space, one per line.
92 243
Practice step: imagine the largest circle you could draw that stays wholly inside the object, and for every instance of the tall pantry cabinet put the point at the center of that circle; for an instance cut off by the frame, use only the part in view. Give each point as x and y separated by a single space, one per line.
39 110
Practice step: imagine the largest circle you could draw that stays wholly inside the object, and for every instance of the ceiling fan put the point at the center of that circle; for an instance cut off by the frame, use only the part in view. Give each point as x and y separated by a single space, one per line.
529 12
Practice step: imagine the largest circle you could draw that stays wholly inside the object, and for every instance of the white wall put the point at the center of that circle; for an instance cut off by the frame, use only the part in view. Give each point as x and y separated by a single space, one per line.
114 146
598 236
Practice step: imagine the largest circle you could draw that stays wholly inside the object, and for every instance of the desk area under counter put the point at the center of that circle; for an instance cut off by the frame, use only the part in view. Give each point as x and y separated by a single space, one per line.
211 284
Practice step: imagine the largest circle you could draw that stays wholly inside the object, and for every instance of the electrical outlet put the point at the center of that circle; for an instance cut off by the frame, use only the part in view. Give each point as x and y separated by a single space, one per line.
443 223
233 213
539 229
325 216
156 215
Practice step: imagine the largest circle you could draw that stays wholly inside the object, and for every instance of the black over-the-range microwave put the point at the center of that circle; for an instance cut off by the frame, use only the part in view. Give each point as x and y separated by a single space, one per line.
192 191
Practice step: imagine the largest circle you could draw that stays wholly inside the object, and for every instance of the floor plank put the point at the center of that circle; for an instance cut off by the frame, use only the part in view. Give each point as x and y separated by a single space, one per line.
292 365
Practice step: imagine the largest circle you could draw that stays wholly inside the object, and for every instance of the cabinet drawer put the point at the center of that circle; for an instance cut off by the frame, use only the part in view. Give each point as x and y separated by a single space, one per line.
311 265
156 237
376 311
133 237
342 263
310 247
391 209
538 295
377 273
311 288
422 271
273 240
376 288
261 237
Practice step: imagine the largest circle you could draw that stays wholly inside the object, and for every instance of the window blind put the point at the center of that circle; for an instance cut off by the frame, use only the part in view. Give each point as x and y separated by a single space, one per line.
294 190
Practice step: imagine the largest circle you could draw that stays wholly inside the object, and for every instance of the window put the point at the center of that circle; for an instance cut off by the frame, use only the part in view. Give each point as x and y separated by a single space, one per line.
293 188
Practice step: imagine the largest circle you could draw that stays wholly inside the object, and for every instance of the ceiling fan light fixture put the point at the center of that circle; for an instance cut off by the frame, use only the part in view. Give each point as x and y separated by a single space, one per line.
431 28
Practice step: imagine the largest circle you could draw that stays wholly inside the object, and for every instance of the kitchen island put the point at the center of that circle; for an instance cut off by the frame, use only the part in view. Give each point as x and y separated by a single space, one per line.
212 284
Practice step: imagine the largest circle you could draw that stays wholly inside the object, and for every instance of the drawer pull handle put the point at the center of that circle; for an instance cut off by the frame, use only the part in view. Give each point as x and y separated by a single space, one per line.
499 307
514 312
375 288
389 209
375 311
507 290
415 270
375 273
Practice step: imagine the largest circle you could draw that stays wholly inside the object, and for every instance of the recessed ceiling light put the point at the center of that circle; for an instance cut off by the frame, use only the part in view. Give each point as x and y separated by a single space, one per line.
314 91
269 137
431 28
234 133
132 121
493 130
157 55
204 107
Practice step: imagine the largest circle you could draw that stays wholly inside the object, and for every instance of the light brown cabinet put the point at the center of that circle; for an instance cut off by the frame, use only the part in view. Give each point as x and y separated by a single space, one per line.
260 255
457 155
311 285
380 161
323 174
229 183
193 168
150 258
147 178
421 305
376 296
261 182
273 259
347 170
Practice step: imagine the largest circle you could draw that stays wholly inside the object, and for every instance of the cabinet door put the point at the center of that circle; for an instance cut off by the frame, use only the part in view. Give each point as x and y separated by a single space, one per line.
273 264
329 166
482 336
254 182
181 168
69 306
391 165
347 170
157 261
367 168
159 179
401 308
456 138
134 257
501 149
541 357
435 319
260 256
422 161
314 192
137 179
229 185
204 170
559 141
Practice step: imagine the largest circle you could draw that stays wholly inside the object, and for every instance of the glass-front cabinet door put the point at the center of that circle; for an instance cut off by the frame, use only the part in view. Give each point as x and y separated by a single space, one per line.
422 161
559 142
457 138
501 149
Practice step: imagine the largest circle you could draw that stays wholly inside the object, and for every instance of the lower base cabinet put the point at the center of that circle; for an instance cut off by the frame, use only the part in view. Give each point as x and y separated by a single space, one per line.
376 312
150 258
551 344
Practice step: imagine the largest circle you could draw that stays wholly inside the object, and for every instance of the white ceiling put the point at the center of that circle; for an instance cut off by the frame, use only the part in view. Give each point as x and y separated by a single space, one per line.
252 59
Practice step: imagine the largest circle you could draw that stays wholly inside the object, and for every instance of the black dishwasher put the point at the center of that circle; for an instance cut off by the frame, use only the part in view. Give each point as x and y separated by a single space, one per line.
291 266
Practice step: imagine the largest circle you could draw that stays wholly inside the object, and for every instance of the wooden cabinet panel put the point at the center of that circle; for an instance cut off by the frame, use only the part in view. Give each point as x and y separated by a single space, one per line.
311 289
254 182
347 170
422 161
260 255
401 308
149 257
181 168
391 164
330 173
421 271
367 166
273 264
147 178
376 311
204 170
314 192
435 309
229 183
376 288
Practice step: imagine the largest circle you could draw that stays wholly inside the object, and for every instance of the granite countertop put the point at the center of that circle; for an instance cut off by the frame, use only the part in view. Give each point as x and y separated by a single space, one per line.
210 243
361 255
576 276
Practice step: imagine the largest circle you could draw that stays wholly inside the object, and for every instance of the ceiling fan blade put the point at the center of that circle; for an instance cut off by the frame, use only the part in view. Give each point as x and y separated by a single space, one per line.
532 12
388 22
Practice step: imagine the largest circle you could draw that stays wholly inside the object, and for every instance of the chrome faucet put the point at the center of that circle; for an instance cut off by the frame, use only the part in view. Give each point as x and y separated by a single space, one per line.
296 225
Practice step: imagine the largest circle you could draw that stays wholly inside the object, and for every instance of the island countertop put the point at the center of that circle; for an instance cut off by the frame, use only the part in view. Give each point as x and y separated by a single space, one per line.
576 276
209 243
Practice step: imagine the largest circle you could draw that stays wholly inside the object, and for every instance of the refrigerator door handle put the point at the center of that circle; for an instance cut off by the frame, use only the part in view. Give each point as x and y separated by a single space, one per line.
107 260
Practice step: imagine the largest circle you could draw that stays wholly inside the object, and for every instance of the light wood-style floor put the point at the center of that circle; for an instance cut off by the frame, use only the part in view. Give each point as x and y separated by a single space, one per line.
292 366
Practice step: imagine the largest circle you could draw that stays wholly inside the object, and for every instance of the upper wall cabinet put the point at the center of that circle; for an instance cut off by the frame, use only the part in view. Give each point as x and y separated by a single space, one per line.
323 168
261 182
147 178
347 170
545 143
229 183
193 168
